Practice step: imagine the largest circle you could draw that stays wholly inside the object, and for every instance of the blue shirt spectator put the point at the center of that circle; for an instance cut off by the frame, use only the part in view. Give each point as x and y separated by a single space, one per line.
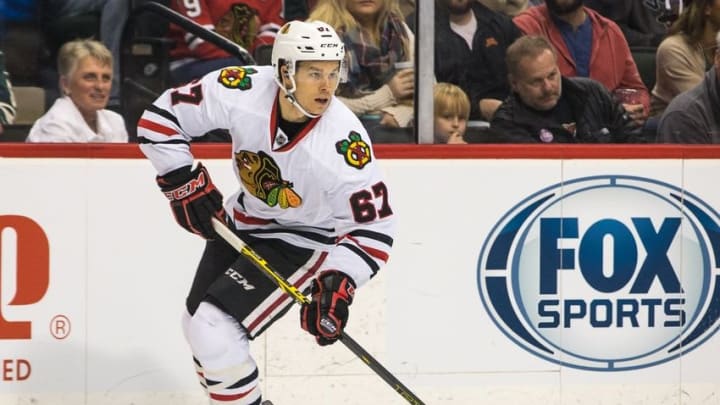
576 41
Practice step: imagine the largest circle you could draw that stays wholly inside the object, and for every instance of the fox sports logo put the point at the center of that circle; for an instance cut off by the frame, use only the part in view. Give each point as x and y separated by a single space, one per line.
605 273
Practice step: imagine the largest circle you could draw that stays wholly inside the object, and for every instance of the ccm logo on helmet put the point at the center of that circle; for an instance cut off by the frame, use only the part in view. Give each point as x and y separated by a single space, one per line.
605 273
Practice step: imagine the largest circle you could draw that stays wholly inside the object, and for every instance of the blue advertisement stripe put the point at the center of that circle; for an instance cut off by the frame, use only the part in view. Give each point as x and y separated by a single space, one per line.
497 257
711 227
497 291
708 320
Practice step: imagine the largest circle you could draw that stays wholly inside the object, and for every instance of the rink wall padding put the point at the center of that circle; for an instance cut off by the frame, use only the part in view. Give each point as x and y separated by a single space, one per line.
519 274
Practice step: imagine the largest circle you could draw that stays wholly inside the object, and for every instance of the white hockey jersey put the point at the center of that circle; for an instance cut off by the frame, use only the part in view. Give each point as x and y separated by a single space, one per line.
322 190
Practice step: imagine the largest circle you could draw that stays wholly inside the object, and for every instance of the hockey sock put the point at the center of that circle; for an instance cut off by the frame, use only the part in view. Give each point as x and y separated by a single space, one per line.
222 357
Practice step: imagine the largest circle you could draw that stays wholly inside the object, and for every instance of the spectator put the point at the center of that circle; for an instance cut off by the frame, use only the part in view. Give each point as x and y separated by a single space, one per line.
7 100
637 21
112 15
452 110
376 38
471 41
694 116
587 45
248 23
85 68
508 7
687 53
546 107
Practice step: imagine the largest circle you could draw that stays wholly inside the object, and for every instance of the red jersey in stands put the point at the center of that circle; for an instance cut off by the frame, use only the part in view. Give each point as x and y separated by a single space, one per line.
208 13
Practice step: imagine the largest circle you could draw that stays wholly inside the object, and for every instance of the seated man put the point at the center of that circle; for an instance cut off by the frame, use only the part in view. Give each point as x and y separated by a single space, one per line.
637 20
694 116
546 107
471 42
588 45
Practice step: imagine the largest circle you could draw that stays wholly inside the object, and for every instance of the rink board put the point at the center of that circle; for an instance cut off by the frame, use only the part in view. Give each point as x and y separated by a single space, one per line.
94 270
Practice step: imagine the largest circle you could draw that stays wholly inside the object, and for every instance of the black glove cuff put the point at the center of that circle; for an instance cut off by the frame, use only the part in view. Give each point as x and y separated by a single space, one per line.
176 177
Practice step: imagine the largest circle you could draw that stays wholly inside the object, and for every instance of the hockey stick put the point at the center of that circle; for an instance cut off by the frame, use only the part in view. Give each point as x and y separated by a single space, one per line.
242 247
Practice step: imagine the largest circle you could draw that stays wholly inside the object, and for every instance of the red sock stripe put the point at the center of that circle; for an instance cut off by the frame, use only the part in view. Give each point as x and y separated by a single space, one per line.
228 398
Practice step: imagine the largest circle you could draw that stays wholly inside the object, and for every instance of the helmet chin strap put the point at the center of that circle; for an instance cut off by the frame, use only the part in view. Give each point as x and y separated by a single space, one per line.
290 96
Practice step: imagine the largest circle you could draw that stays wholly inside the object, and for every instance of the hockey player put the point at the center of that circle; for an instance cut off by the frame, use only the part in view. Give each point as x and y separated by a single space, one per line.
311 200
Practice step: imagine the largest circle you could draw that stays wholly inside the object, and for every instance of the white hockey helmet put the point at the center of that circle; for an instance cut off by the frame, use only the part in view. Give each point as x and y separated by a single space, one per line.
299 40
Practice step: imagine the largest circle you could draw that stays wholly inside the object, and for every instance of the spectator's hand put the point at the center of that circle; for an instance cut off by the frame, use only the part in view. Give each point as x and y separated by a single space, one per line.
488 106
456 138
402 84
1 129
636 112
388 120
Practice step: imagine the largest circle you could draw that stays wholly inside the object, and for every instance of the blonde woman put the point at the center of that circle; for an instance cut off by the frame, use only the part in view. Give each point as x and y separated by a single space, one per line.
452 110
86 70
376 38
687 53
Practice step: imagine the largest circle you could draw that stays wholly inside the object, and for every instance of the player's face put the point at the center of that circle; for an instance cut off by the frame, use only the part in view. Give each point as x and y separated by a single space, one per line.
316 82
88 85
538 81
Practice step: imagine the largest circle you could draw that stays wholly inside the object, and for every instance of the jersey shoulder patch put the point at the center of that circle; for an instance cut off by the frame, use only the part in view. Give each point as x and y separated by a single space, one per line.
354 150
236 77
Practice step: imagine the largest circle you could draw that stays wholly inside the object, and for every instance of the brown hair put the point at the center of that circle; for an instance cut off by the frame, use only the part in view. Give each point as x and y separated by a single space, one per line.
523 47
448 97
692 21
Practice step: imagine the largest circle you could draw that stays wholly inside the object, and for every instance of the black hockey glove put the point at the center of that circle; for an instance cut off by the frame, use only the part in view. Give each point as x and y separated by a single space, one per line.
327 314
194 199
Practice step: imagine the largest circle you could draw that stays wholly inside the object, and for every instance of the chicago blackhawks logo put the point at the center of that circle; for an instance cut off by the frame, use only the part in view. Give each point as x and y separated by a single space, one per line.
236 77
261 176
355 151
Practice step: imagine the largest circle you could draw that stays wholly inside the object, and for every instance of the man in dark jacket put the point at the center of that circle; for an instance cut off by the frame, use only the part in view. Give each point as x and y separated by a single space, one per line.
694 116
470 45
546 107
637 20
